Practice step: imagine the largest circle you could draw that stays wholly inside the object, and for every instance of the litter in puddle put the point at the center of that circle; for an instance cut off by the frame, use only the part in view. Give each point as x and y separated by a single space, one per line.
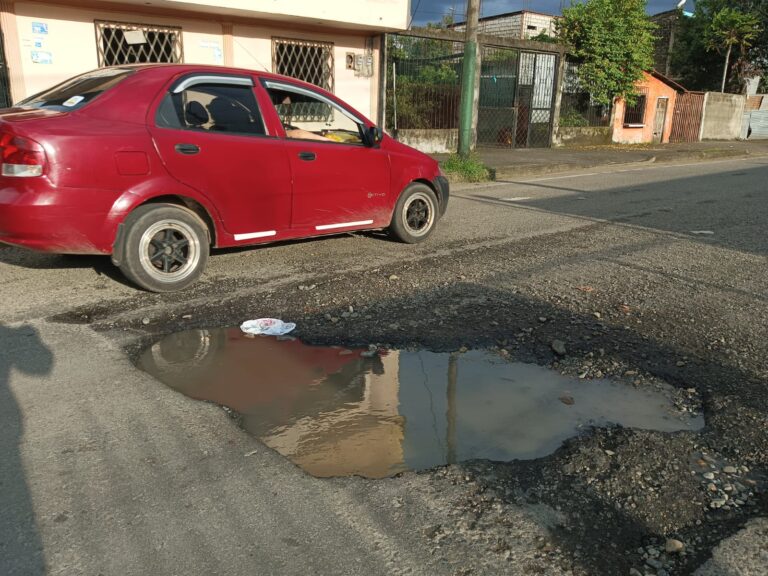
267 327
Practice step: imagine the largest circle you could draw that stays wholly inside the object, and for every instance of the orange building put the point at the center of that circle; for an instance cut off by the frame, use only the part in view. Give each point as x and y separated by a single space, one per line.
650 119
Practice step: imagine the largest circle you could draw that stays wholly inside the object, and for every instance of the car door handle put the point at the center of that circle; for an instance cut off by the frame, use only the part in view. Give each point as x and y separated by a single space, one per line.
308 156
187 148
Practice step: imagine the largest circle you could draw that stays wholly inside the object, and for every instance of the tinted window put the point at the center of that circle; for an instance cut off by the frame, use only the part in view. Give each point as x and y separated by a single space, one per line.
214 108
77 92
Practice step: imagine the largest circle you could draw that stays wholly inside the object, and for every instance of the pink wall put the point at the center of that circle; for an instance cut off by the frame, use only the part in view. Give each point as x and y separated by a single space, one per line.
654 90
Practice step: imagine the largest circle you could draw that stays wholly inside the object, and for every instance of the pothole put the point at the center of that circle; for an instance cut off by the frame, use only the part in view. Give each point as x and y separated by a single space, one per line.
338 411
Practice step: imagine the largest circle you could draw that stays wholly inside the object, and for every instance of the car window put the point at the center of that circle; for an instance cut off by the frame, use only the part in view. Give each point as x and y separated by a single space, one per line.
307 115
212 107
77 92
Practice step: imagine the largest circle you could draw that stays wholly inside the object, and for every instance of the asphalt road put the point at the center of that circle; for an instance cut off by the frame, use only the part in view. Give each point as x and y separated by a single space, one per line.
105 471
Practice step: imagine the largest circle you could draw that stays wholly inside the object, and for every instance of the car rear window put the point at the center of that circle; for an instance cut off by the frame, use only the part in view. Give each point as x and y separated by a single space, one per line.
77 92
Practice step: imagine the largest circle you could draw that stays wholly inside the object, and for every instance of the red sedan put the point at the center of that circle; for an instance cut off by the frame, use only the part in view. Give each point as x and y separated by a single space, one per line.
156 164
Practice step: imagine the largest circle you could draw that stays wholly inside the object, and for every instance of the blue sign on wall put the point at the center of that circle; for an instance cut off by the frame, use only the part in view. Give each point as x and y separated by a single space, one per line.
39 28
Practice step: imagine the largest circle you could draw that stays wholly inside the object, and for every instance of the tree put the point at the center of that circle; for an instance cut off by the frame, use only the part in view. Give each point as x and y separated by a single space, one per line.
731 27
613 42
698 67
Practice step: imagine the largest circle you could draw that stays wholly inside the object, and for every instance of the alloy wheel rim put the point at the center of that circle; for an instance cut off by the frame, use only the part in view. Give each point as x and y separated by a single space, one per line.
169 250
419 214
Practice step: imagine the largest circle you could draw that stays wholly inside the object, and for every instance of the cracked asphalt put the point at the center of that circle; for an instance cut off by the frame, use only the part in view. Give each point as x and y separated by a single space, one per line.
645 274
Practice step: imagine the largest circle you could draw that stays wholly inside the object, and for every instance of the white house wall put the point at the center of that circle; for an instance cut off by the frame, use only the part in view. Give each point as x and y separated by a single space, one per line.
70 40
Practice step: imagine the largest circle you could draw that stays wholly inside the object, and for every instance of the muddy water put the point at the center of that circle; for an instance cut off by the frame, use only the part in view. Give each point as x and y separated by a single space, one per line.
338 411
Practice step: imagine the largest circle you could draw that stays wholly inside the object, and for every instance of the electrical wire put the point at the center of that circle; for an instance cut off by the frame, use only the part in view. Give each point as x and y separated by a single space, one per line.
413 14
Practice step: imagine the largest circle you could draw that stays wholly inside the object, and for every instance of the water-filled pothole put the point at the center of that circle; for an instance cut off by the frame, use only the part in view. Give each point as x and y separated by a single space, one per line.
336 411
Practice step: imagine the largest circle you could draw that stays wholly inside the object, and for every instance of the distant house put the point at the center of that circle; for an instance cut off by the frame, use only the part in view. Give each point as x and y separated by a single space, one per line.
331 44
650 118
522 24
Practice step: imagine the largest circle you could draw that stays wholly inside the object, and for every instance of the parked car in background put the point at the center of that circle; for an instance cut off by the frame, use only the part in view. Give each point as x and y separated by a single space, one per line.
156 164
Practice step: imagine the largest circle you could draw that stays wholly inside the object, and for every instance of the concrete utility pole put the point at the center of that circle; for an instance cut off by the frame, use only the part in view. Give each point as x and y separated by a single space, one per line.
468 79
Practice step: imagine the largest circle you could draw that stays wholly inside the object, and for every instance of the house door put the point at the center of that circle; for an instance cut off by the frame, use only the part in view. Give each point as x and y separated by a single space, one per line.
660 121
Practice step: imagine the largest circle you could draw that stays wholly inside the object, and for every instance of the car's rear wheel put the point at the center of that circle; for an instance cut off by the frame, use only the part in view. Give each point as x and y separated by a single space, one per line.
415 214
165 247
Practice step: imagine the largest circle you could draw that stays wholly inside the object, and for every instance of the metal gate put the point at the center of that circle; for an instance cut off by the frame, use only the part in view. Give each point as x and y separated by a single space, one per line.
686 122
517 95
5 85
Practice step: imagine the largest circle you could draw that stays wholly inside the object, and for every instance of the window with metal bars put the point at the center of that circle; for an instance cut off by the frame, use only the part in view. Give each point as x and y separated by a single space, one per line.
306 60
122 43
635 115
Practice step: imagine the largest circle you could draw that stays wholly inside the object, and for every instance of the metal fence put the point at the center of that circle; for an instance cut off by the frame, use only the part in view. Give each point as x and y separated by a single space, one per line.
497 117
423 83
516 93
686 121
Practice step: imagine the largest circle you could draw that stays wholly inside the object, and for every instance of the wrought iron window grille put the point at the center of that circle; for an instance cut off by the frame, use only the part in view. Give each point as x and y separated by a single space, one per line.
121 43
305 60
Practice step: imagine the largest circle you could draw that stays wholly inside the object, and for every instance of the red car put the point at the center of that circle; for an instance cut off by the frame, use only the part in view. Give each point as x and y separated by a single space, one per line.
156 164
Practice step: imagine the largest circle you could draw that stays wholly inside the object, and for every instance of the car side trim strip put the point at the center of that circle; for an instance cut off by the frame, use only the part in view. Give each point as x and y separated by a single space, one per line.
252 235
343 225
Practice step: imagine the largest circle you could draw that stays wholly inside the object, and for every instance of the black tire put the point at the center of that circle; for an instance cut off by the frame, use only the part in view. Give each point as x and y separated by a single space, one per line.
415 215
165 247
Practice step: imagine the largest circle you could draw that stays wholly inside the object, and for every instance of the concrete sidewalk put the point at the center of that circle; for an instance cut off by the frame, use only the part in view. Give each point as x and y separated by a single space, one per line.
514 163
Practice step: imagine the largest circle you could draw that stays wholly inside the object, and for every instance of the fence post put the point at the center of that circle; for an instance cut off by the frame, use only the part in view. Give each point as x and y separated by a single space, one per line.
394 98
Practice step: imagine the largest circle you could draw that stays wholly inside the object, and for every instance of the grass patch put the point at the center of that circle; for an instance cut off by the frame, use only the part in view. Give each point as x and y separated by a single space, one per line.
471 169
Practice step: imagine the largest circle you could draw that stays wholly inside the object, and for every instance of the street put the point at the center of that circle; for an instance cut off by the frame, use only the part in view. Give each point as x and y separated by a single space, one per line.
646 273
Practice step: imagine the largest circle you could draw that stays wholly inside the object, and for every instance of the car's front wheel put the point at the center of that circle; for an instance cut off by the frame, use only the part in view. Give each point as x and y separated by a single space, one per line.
165 247
415 214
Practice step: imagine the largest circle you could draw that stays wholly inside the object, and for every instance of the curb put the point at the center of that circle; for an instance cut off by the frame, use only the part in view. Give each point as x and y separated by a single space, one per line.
511 171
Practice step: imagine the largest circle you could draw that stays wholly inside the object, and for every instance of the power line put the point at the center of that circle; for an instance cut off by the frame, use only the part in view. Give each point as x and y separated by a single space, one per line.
413 14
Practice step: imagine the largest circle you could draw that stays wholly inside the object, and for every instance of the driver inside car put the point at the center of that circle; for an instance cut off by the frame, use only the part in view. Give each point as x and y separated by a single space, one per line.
294 132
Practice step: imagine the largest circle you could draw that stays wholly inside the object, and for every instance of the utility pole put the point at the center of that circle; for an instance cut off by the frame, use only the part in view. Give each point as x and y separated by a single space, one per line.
468 79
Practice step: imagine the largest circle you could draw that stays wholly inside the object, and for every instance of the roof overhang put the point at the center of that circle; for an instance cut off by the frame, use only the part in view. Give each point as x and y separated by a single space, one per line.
369 15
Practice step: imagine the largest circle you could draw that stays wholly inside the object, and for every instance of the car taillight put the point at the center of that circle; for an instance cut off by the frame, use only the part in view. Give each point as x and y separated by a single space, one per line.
21 156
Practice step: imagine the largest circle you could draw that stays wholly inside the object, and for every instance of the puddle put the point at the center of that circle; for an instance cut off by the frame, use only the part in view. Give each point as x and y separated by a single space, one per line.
335 412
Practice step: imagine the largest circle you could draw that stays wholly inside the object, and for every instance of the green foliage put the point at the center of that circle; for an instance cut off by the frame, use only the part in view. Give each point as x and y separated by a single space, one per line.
731 27
428 75
701 43
469 169
573 119
544 37
613 40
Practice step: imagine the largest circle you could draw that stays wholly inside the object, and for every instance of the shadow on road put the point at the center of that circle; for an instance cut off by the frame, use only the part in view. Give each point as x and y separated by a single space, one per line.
726 209
21 552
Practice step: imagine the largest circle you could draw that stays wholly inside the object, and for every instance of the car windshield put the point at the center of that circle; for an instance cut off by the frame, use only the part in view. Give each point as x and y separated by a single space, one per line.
77 92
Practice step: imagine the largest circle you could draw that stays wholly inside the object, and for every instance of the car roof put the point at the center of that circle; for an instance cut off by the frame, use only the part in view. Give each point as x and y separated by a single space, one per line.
191 68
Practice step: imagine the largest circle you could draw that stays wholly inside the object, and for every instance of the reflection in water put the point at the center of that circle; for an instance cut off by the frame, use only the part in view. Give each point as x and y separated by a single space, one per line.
335 411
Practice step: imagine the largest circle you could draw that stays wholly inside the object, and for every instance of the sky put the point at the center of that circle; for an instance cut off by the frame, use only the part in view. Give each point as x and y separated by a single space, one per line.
434 10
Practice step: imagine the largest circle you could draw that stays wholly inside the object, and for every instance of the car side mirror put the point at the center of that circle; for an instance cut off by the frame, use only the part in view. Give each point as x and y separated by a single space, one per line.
375 136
